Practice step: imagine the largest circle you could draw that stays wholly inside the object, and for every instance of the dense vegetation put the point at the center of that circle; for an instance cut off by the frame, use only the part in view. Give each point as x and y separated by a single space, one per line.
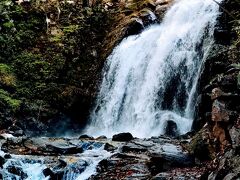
47 52
52 54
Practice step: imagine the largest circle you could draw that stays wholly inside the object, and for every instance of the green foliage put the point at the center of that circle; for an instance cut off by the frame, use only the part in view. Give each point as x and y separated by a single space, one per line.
7 101
31 67
47 68
235 23
36 72
19 29
6 76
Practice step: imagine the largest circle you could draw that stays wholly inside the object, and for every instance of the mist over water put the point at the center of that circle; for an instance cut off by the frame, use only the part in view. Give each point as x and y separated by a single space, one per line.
150 79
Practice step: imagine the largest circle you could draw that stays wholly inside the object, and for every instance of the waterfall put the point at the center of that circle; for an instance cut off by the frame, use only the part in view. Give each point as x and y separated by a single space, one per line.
150 79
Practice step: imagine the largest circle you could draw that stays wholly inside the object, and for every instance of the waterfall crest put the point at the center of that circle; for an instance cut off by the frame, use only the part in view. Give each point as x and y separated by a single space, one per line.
150 79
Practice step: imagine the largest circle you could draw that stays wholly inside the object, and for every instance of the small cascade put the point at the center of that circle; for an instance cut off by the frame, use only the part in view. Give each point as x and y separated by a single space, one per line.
78 167
22 168
150 79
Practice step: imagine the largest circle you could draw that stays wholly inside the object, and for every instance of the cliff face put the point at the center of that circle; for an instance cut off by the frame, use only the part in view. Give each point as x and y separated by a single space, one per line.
218 109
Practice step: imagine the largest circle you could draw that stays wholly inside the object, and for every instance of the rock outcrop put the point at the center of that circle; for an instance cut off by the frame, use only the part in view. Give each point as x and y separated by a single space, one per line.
219 101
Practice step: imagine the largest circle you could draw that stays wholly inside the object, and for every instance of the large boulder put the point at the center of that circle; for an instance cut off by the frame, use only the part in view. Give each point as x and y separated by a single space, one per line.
164 162
48 173
122 137
134 27
109 147
201 145
171 129
85 136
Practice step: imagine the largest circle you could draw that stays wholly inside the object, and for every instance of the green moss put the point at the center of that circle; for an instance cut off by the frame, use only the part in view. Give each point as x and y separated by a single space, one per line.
4 68
70 28
6 76
20 28
8 25
8 101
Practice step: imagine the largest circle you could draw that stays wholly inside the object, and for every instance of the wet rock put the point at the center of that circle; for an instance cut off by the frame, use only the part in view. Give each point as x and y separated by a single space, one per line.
76 168
122 137
158 164
131 147
147 16
17 171
2 161
101 138
62 163
59 175
55 149
171 129
105 164
122 166
160 11
109 147
86 137
48 172
7 156
134 27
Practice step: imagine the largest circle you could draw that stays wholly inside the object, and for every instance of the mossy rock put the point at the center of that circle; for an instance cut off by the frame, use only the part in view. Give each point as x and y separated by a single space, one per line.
200 145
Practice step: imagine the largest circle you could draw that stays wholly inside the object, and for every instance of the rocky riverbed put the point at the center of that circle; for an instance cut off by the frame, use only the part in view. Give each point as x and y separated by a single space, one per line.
122 157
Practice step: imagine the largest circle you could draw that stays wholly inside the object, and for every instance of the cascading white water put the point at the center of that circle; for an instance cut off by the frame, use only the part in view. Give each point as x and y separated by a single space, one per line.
31 168
151 78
